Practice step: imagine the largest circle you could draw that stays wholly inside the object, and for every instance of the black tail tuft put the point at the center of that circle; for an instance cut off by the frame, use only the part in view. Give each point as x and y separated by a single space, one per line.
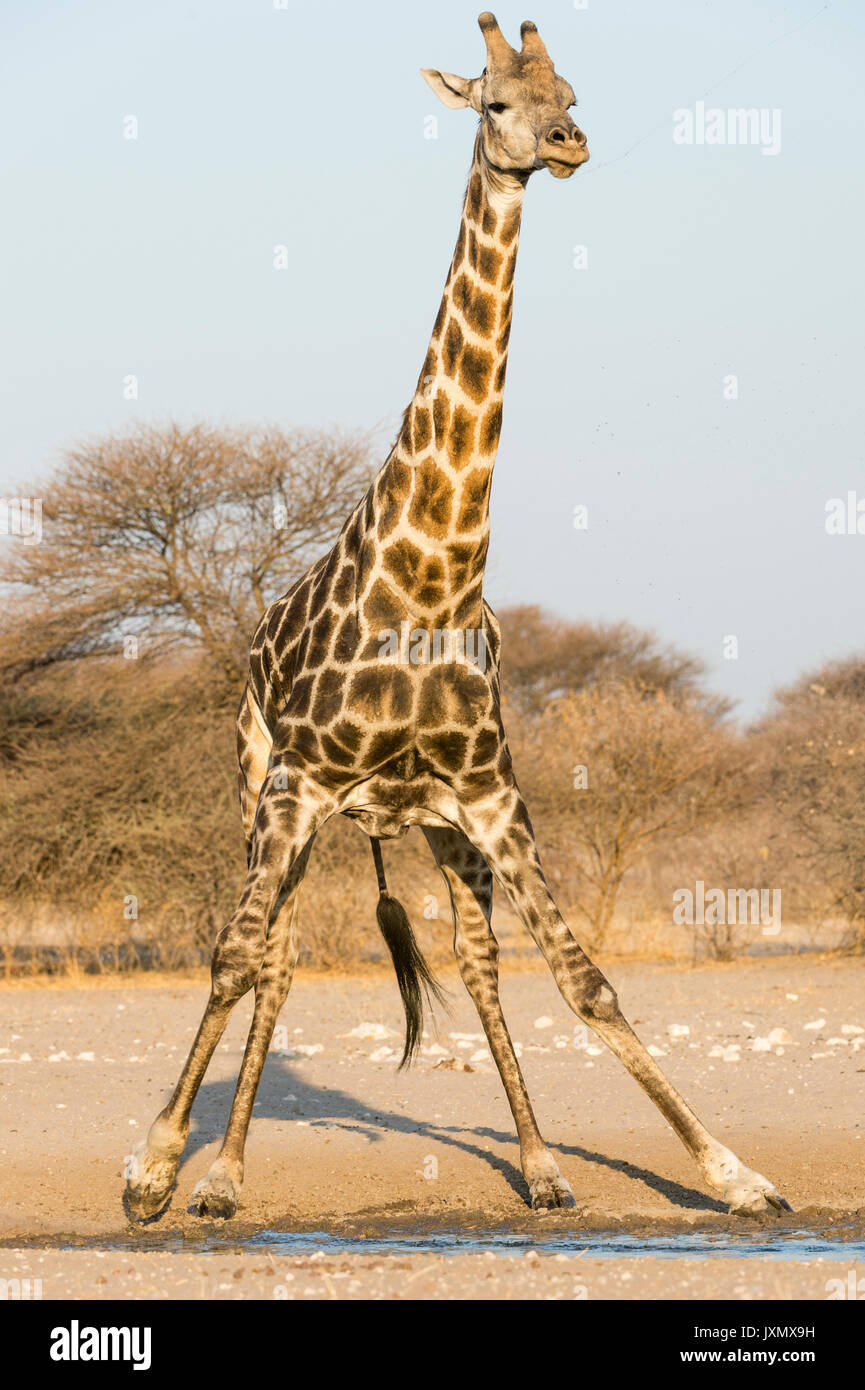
413 975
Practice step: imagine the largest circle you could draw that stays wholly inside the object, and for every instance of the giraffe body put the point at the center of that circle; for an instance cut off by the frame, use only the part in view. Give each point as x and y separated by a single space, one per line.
355 704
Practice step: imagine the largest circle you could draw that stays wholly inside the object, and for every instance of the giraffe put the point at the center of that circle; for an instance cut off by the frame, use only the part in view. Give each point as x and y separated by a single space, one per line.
340 717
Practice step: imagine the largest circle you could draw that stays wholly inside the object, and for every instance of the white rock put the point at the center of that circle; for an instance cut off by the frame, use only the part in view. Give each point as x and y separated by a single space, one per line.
794 997
382 1054
730 1053
308 1049
370 1032
434 1050
815 1026
678 1030
779 1037
543 1022
88 1057
482 1055
851 1029
59 1057
653 1051
761 1045
594 1051
836 1042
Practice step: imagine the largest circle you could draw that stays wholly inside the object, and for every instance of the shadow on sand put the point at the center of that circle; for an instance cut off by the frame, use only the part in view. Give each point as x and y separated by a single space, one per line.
285 1094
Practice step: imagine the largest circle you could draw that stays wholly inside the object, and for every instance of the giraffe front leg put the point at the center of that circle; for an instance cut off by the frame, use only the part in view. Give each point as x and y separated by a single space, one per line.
501 830
151 1171
470 883
282 839
217 1194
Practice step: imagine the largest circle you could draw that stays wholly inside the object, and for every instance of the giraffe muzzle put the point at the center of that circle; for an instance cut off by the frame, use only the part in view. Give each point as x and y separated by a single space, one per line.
563 149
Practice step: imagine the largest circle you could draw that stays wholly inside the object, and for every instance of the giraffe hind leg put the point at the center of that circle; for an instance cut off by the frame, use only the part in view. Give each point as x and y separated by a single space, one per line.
470 884
505 837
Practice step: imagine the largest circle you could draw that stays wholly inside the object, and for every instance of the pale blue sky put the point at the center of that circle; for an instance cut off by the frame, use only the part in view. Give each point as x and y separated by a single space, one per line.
305 126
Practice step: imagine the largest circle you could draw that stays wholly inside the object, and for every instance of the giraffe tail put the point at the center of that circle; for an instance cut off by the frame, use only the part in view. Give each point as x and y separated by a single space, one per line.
413 975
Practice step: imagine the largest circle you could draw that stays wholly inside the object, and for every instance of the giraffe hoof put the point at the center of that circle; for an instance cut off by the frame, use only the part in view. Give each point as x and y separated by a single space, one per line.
216 1196
750 1194
548 1194
150 1181
759 1202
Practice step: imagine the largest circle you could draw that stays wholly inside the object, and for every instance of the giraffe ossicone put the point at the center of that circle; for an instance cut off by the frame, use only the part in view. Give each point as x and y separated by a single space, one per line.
328 725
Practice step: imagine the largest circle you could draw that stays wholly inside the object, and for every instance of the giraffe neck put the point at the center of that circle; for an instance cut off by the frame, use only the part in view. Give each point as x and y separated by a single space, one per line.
427 523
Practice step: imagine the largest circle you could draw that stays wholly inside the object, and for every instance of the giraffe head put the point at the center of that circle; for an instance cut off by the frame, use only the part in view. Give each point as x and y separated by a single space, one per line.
522 102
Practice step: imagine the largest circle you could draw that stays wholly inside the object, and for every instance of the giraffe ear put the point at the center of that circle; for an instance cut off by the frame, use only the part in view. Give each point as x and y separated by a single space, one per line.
452 90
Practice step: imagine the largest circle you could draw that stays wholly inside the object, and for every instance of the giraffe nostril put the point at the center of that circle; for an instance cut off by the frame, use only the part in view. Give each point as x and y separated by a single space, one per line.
558 135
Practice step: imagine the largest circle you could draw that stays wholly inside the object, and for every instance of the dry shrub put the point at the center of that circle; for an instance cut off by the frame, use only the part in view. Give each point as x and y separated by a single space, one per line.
615 772
813 754
119 806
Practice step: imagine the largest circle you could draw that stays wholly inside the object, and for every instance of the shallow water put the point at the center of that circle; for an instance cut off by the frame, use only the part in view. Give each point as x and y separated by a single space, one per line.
791 1245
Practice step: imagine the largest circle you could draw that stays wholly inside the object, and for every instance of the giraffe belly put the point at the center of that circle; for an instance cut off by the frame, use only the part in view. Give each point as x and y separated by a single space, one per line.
384 808
379 822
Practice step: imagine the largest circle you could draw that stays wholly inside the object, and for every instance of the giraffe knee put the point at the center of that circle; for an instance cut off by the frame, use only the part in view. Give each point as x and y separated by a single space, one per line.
236 964
593 998
603 1005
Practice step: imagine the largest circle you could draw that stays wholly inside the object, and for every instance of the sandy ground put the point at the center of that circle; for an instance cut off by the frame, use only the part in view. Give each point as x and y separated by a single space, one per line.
342 1143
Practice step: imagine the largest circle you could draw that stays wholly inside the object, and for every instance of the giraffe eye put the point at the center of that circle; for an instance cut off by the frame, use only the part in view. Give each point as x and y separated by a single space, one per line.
497 106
